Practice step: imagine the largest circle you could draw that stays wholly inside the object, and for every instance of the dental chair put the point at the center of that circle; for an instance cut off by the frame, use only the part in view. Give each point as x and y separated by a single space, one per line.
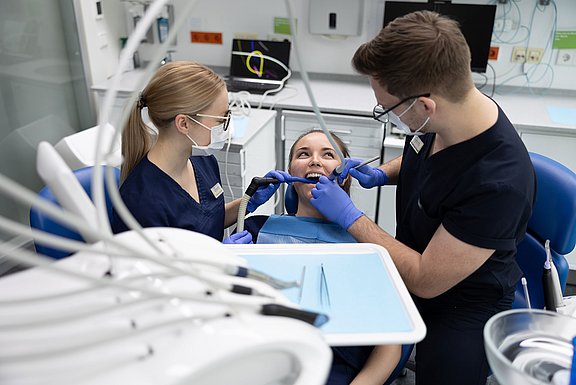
553 218
41 221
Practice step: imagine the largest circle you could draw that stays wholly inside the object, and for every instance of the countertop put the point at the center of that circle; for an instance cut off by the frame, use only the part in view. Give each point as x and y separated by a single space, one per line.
549 111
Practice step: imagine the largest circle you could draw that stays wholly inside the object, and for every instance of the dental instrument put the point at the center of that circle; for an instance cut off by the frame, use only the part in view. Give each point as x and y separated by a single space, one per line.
251 189
526 294
367 161
324 287
301 288
548 287
556 287
335 174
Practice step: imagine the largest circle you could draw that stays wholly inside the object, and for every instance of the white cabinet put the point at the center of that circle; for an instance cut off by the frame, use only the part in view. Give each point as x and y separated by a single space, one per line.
252 153
393 147
362 135
561 148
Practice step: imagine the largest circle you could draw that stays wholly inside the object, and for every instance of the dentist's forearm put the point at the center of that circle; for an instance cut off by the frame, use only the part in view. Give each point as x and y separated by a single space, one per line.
392 169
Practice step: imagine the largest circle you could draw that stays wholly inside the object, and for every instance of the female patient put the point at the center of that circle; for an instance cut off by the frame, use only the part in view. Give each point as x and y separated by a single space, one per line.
311 156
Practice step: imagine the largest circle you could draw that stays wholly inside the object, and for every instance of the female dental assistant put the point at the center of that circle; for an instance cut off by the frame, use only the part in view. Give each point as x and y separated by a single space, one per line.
172 179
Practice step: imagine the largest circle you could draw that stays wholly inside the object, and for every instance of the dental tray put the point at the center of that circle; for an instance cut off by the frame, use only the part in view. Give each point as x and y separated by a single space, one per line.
359 289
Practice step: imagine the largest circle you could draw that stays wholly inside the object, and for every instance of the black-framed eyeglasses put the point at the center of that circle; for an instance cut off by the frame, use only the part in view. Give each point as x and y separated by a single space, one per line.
226 118
379 112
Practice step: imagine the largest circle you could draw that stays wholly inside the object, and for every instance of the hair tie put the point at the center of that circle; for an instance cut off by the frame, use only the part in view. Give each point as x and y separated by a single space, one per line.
142 101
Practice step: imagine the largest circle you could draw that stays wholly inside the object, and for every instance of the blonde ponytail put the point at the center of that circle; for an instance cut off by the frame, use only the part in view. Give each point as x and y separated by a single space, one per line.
180 87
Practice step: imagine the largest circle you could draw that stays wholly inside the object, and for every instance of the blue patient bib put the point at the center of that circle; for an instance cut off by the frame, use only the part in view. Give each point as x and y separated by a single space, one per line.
291 229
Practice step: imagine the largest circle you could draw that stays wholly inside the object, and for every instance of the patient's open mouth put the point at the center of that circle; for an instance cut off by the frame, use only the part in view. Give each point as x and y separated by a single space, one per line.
314 176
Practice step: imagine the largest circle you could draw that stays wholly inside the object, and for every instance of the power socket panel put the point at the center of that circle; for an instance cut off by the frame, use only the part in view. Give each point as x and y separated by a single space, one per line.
534 55
566 57
531 55
518 55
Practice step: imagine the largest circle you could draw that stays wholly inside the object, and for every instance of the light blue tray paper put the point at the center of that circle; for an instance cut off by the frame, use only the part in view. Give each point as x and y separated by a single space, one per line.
364 300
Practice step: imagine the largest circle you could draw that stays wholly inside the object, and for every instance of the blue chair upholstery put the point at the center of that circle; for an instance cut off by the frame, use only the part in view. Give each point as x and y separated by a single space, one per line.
291 200
41 221
553 218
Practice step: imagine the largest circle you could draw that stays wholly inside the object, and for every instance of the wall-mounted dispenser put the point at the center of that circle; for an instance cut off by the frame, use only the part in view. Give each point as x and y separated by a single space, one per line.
336 17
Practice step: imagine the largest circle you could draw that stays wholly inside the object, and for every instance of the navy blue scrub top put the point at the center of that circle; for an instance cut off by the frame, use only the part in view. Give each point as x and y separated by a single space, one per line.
482 191
157 200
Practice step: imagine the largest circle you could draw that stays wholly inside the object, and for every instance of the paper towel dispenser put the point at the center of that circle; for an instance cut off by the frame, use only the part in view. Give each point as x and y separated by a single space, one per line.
336 17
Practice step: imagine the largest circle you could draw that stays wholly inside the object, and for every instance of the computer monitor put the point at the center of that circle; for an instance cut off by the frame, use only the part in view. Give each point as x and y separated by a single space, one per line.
476 23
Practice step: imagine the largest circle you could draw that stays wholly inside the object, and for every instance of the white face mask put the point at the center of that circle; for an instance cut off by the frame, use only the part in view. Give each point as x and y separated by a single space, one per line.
395 120
218 138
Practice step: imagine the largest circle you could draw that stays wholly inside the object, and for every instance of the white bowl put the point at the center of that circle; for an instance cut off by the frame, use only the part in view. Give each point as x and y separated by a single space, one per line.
528 346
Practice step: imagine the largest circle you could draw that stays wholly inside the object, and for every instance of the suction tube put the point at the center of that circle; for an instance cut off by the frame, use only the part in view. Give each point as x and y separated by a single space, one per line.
254 184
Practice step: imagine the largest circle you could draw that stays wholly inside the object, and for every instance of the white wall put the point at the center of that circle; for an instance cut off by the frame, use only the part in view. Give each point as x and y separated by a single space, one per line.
328 55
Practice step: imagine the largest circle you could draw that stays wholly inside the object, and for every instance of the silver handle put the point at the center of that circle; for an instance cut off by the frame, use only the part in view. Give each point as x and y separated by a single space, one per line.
345 132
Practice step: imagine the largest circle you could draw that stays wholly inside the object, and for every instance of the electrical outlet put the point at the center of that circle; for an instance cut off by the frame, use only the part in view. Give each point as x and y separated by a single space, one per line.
534 55
566 57
518 55
503 25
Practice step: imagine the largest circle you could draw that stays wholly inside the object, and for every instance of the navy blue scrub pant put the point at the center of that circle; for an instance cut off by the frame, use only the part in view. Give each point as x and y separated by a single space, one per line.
452 353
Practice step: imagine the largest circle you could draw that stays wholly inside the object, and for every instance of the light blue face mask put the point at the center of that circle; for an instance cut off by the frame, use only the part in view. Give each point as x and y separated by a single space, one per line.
218 138
395 120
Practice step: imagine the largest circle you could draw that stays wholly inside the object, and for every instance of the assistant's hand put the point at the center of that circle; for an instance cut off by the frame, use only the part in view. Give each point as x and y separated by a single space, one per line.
367 176
241 238
333 202
264 193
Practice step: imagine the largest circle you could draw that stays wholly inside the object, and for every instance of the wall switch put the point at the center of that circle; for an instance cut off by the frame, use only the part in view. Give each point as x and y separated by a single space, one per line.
336 17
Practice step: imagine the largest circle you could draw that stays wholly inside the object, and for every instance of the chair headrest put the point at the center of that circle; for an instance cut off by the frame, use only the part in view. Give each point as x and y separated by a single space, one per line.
554 213
291 200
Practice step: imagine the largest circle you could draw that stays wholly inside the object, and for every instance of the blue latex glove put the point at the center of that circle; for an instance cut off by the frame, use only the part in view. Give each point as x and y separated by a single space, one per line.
241 238
264 193
367 176
333 202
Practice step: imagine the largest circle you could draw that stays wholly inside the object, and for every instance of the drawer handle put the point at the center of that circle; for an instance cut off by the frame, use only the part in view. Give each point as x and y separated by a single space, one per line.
336 131
346 132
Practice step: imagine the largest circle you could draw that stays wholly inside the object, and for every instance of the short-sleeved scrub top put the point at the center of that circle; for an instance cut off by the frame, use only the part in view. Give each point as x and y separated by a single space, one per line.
482 191
157 200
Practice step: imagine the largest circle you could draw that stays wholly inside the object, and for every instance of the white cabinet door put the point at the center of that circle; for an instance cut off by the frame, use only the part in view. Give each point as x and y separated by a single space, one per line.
362 135
251 154
559 148
393 147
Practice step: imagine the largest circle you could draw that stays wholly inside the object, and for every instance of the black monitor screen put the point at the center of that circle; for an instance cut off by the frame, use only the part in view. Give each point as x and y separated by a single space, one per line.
476 23
255 65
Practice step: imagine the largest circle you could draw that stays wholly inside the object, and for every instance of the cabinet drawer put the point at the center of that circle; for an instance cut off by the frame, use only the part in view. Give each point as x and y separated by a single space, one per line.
233 157
351 141
342 125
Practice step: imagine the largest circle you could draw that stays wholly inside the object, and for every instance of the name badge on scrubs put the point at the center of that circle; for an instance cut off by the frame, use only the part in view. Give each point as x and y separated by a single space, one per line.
217 190
416 144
